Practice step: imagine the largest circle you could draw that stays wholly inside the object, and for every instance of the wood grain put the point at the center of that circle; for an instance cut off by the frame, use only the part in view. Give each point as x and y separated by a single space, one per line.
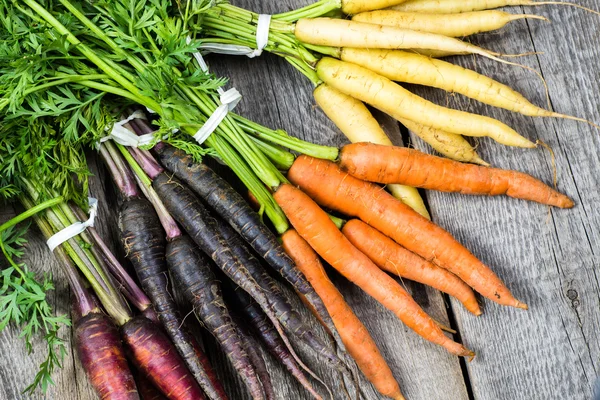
547 257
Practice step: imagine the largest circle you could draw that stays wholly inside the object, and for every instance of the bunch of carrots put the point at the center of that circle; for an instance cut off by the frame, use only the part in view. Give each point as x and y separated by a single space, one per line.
180 221
358 53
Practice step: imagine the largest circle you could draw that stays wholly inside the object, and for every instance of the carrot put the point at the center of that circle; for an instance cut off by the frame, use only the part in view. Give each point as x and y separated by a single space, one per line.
374 206
157 358
320 232
422 70
459 6
227 203
356 338
263 328
356 122
101 353
412 167
351 7
380 92
147 389
453 25
344 33
252 348
395 259
450 145
202 228
144 242
193 276
289 318
436 53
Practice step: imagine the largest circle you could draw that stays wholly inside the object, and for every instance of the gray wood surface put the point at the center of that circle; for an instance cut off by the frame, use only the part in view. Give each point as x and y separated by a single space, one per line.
547 257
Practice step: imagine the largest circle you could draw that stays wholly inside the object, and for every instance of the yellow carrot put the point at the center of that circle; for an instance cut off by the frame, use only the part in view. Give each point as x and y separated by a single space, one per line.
356 122
380 92
453 25
352 7
459 6
343 33
414 68
450 145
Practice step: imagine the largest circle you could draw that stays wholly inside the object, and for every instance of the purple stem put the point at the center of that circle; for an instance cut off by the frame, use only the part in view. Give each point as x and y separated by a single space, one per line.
127 285
121 174
143 157
168 223
142 127
85 302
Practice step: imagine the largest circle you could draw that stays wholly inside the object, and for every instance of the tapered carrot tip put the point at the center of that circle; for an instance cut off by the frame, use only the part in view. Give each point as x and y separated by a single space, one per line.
478 313
522 306
400 397
468 353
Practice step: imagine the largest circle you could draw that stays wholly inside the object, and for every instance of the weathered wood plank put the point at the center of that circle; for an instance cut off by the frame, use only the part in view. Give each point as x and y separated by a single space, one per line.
547 257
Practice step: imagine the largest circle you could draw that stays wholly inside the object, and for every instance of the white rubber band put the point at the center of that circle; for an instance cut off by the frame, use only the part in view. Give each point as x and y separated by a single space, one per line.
229 100
125 137
262 33
262 40
78 227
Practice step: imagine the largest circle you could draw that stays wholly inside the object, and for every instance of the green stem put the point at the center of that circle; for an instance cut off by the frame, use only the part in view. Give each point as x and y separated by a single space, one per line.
283 139
134 166
31 212
311 11
282 159
86 51
308 72
248 178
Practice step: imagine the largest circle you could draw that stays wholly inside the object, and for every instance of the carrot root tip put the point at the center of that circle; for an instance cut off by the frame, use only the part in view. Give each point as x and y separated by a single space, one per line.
522 306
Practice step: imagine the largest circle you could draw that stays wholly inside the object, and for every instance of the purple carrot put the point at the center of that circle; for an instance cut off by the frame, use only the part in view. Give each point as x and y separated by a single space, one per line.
154 355
193 276
96 337
252 348
263 328
144 242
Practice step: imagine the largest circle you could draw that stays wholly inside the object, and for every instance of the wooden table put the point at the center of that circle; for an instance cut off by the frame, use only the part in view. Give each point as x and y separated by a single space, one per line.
547 257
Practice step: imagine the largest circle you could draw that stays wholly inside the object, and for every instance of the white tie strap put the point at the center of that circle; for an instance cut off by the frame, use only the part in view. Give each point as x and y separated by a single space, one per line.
262 40
73 230
229 100
125 137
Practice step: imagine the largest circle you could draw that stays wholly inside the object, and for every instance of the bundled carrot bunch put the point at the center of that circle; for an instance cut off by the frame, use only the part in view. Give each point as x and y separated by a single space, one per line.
361 60
180 219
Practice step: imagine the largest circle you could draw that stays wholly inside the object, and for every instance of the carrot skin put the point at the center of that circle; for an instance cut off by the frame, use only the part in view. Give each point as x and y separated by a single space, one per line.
147 389
252 346
314 225
202 229
356 338
144 242
373 205
103 358
227 203
289 318
193 276
393 258
414 168
156 357
265 330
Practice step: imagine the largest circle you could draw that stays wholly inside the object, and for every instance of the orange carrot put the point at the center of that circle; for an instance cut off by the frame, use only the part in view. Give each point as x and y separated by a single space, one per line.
314 225
393 258
414 168
354 334
331 187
